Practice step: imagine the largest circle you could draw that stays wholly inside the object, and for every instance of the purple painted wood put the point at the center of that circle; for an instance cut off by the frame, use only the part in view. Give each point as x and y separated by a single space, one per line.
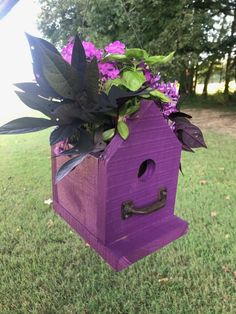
90 197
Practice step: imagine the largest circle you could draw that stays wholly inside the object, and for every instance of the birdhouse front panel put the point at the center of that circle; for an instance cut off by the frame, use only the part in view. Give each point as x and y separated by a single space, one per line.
138 170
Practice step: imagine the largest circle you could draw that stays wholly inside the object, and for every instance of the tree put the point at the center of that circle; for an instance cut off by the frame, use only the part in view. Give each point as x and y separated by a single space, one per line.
191 28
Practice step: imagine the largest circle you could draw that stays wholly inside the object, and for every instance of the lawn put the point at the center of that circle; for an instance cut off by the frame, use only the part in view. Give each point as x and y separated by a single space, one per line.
46 268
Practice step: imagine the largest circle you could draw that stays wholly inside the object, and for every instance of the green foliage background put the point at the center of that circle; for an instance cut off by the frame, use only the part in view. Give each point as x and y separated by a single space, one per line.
201 32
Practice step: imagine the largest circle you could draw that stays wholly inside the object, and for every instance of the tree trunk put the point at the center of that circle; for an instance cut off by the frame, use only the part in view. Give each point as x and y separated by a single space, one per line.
190 80
228 64
195 80
183 89
207 78
227 75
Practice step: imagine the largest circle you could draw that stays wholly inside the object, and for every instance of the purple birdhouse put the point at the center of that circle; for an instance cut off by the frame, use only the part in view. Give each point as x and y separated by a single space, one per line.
122 201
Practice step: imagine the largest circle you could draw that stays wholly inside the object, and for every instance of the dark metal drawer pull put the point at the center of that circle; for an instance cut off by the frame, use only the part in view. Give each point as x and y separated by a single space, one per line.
128 209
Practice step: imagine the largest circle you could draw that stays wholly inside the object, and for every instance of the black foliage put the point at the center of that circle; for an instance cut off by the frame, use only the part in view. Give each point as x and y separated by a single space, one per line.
69 95
35 47
68 166
26 125
62 132
189 134
33 88
35 102
174 115
120 96
78 60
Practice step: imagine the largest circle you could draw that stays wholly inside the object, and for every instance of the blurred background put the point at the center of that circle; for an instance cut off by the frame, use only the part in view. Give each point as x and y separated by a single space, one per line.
203 34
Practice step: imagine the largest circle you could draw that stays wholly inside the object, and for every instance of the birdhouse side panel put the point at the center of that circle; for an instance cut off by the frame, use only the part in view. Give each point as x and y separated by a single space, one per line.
78 193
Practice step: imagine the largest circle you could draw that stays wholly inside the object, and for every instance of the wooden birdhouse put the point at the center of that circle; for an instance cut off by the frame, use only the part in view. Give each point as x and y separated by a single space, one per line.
122 201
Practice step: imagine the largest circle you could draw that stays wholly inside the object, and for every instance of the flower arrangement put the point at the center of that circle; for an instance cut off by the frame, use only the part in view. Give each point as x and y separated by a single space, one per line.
89 93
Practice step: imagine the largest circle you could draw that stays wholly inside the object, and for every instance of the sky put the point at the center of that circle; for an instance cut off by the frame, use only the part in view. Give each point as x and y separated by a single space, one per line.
15 58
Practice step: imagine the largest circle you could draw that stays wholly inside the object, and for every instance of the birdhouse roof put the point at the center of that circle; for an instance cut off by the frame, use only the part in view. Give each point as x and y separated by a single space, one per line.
147 130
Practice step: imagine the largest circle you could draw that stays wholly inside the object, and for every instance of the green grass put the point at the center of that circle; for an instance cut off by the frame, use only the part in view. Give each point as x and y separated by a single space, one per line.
47 268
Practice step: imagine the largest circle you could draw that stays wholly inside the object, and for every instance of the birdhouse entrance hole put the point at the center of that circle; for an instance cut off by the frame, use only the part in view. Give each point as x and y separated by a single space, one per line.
146 169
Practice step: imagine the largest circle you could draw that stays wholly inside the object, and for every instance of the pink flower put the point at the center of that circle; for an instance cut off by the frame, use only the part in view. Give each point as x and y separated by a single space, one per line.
60 147
115 47
170 90
67 50
91 51
150 77
108 71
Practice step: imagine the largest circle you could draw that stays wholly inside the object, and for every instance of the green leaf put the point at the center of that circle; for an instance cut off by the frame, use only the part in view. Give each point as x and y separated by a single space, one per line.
129 108
160 59
133 80
110 83
145 96
123 129
26 125
160 95
136 53
115 57
108 134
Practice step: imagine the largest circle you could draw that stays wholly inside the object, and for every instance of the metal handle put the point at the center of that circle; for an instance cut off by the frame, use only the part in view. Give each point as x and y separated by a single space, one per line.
128 209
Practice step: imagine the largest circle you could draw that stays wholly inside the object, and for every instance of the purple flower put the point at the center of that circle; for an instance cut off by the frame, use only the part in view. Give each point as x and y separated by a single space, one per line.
91 51
60 147
171 91
150 77
115 47
108 70
66 51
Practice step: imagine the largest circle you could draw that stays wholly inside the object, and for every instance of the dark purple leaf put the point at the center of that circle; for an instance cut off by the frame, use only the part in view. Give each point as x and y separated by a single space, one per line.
174 115
35 48
181 123
70 152
119 96
85 143
61 76
193 137
180 169
189 134
62 132
104 104
91 81
68 112
33 88
68 166
40 41
43 105
78 60
26 125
